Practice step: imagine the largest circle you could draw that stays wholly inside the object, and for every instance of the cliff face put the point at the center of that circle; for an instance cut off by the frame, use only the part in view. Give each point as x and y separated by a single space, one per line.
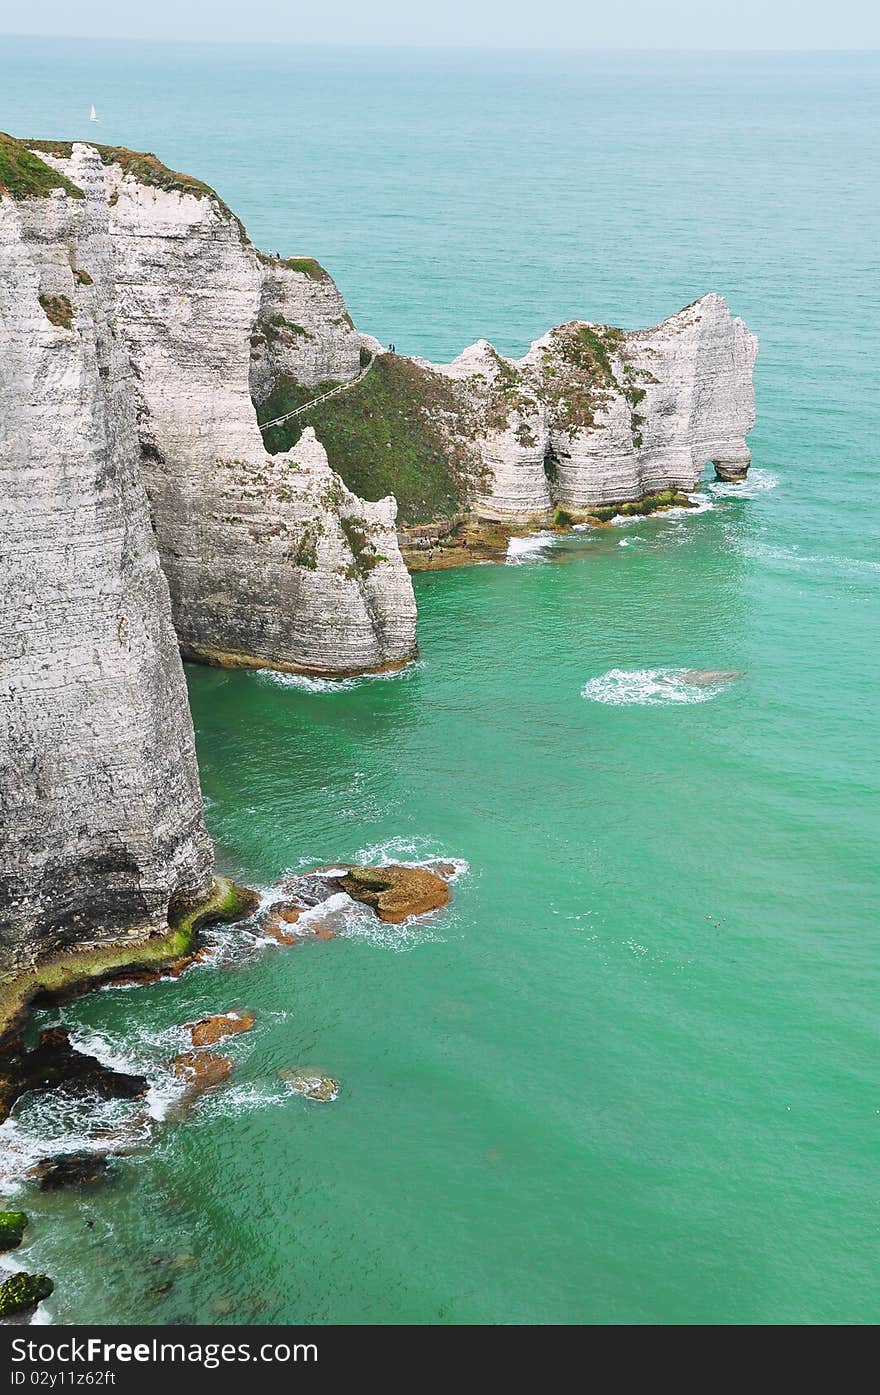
303 330
255 547
593 415
589 416
100 807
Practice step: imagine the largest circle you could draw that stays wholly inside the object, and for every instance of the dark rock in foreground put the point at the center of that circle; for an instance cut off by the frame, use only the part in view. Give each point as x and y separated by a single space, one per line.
69 1170
22 1292
55 1065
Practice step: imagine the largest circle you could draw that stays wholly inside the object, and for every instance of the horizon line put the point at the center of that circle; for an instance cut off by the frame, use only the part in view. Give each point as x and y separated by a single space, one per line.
427 47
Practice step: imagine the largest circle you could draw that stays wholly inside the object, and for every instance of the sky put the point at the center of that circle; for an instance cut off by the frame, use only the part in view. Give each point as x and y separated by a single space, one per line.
548 24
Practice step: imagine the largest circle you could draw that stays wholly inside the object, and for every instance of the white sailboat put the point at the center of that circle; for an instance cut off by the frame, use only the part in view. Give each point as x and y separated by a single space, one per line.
93 115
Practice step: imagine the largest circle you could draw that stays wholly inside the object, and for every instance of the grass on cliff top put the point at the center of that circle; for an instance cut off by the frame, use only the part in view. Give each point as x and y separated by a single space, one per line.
380 436
143 166
306 266
23 175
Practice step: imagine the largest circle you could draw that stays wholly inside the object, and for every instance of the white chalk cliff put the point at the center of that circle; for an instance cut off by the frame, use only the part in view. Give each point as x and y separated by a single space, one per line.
593 415
143 516
255 547
101 821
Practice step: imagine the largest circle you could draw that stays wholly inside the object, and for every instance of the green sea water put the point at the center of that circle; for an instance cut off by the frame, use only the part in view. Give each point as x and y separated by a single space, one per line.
631 1074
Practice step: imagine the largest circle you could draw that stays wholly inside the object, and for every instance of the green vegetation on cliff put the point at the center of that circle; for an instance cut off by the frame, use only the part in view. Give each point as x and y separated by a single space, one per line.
23 175
383 437
71 969
58 310
142 165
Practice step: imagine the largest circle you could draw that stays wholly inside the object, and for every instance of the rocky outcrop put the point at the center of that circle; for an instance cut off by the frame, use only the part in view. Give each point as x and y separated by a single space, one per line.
222 1024
396 893
202 1070
270 560
53 1064
101 814
594 416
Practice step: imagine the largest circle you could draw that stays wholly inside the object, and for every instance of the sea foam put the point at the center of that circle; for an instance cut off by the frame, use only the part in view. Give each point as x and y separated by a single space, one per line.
649 687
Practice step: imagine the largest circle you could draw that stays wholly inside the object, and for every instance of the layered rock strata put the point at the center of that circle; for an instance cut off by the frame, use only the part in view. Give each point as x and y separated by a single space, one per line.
270 560
303 329
594 415
100 811
590 416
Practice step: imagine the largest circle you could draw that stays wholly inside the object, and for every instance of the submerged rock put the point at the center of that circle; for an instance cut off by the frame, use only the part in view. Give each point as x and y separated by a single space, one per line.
304 1080
396 893
12 1228
708 677
56 1065
69 1170
202 1069
288 911
224 1024
21 1292
274 927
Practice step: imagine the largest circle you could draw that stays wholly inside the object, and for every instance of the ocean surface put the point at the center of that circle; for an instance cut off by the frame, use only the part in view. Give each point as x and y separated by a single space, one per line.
632 1074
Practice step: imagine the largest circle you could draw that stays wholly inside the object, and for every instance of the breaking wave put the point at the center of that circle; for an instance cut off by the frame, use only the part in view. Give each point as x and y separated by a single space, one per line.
530 549
650 687
756 483
308 684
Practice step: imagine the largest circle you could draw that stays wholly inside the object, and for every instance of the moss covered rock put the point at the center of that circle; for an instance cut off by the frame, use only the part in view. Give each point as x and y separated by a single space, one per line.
23 1291
12 1228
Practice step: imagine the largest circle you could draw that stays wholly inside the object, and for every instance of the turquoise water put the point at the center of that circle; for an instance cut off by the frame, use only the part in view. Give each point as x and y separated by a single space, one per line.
631 1074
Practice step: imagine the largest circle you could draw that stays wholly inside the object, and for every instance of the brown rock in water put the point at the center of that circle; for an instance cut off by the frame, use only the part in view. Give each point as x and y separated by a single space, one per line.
202 1069
274 927
223 1024
289 911
56 1065
278 918
69 1170
396 893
